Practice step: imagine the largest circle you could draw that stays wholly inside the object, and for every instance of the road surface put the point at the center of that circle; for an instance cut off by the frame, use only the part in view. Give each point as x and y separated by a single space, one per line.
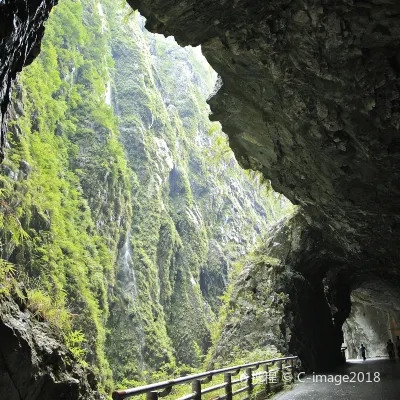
350 382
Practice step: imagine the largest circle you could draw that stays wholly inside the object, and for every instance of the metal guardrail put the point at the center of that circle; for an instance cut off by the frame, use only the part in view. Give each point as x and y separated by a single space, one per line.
162 389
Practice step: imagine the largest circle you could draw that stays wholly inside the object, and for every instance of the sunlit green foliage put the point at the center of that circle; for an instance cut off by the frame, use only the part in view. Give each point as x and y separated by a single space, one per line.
60 223
7 281
111 222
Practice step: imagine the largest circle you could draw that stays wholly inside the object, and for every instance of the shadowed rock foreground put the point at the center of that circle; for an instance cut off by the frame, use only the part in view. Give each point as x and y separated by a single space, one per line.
33 362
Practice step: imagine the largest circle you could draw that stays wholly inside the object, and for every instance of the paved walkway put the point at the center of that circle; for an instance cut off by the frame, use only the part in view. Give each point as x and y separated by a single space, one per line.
388 387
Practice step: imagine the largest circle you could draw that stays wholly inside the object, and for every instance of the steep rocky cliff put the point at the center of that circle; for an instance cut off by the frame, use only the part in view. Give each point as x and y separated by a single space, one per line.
123 208
310 97
195 211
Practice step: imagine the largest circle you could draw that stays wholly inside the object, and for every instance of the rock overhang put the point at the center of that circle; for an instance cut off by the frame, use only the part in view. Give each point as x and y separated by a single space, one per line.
310 98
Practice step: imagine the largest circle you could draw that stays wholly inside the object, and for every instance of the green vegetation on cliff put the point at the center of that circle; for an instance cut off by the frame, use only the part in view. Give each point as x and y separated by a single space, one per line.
123 208
66 181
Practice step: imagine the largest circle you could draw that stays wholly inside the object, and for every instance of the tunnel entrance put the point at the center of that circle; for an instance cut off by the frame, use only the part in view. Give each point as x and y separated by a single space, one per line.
374 319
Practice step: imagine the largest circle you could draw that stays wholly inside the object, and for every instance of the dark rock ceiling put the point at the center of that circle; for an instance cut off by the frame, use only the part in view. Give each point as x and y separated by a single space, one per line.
310 98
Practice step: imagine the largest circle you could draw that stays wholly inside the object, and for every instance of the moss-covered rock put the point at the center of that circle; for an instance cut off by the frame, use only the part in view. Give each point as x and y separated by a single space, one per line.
195 210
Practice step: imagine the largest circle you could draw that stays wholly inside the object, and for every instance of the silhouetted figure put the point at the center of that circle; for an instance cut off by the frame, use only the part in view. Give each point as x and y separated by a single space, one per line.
363 350
398 346
390 349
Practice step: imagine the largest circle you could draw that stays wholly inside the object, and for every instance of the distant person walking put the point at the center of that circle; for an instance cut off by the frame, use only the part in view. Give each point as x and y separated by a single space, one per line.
362 351
390 349
398 346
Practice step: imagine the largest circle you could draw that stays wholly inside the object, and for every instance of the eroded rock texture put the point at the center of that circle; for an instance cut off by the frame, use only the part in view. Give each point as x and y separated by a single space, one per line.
21 30
371 323
311 99
281 299
34 364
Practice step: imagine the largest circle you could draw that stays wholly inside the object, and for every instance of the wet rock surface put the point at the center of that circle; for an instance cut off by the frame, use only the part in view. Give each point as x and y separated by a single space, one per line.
34 363
21 30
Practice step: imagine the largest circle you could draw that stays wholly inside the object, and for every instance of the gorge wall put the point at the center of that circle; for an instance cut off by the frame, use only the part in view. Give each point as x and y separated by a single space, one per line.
310 98
195 211
123 207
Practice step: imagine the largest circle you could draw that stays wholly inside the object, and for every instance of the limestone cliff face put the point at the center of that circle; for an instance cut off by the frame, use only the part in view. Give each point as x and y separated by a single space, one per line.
195 211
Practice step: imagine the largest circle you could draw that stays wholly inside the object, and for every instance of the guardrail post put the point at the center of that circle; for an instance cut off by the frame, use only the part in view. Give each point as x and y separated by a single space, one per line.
280 372
249 381
196 387
293 371
151 395
267 382
228 387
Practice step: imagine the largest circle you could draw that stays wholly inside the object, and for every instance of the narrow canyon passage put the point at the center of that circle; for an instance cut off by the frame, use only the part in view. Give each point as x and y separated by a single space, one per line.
168 209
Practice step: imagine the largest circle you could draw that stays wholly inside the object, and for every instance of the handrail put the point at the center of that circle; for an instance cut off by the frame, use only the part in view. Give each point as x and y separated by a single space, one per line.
152 389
